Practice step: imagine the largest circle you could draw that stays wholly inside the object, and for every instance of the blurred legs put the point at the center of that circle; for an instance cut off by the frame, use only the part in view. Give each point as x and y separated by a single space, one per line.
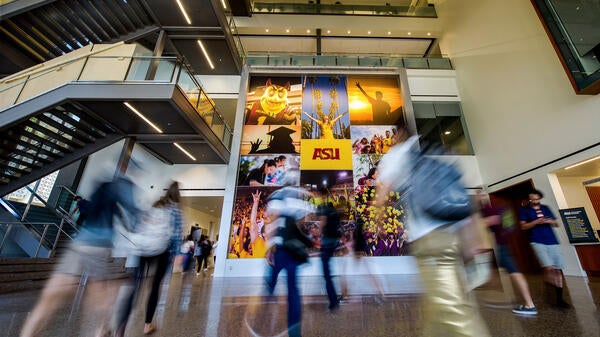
449 310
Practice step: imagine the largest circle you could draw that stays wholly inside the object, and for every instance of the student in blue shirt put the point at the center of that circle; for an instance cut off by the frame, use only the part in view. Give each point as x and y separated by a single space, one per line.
539 220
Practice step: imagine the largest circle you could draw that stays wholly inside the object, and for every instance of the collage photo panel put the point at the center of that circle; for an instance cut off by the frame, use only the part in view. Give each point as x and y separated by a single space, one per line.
322 133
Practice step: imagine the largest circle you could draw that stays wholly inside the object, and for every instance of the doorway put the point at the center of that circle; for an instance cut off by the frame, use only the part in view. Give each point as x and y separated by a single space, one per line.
515 197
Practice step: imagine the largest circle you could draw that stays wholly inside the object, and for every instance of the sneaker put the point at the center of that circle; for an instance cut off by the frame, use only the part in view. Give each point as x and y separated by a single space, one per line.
522 310
205 269
197 274
333 306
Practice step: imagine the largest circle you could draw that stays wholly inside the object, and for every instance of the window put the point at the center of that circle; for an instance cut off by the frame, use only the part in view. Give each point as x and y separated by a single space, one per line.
443 123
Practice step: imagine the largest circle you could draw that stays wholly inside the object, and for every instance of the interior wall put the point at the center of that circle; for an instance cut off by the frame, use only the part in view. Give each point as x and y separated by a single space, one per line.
193 216
520 108
195 180
519 105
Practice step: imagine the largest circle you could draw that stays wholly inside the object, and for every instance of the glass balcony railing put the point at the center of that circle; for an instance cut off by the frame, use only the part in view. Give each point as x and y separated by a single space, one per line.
117 69
338 8
349 61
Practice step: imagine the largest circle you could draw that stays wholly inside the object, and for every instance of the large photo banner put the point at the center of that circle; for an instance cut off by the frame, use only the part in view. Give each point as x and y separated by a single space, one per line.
322 133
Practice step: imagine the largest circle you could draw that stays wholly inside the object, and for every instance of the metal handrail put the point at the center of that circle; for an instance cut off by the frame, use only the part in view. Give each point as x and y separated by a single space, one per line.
52 209
42 236
341 9
68 190
27 72
178 67
195 81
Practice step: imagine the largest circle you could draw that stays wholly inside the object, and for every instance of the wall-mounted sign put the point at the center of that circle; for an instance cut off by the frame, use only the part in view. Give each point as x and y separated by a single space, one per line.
577 225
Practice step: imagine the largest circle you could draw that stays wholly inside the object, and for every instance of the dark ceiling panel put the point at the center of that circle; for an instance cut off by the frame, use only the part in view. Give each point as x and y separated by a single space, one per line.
240 7
200 12
217 49
203 153
161 113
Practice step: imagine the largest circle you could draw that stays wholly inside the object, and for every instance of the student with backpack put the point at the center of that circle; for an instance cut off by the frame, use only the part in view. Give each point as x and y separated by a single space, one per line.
203 250
157 240
88 255
437 207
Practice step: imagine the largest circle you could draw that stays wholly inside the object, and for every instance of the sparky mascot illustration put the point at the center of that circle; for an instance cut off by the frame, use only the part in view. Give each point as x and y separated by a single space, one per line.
273 107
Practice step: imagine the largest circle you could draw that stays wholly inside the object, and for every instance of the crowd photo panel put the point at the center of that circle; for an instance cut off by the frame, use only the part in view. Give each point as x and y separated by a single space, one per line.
321 133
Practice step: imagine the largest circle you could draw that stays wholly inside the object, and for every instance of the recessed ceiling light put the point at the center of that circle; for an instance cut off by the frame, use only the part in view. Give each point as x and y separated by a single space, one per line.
369 32
287 30
183 11
447 132
409 33
267 30
349 31
583 162
428 34
140 115
328 31
308 30
185 151
389 33
206 56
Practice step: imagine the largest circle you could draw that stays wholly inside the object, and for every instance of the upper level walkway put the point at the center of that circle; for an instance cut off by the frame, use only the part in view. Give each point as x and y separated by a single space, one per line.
65 109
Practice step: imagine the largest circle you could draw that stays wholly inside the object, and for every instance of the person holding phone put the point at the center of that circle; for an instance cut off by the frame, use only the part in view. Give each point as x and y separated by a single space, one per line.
539 220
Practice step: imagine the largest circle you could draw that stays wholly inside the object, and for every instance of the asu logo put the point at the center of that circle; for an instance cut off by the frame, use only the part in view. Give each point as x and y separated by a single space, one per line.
326 153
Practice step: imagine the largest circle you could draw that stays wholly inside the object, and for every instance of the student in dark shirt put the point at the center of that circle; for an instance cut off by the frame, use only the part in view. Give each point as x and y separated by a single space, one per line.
257 176
83 206
501 221
539 220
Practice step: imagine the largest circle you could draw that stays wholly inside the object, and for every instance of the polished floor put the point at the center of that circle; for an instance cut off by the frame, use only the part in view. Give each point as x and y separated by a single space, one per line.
202 306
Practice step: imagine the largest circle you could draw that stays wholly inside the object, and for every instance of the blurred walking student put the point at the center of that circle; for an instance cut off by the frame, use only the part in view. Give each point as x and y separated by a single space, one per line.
449 309
88 255
501 221
539 220
285 207
187 252
202 259
157 240
330 223
356 247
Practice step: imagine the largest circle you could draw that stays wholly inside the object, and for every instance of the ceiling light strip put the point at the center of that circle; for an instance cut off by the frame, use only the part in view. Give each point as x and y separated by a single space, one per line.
583 162
184 151
143 117
205 54
185 14
224 4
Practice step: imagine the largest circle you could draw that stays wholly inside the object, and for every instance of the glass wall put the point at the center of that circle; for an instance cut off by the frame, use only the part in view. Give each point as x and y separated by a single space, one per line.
443 123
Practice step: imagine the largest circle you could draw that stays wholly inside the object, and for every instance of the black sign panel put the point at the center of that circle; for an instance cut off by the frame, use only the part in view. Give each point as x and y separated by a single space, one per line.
577 225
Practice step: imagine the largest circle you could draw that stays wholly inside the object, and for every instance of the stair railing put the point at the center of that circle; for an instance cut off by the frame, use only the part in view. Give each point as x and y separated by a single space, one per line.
40 237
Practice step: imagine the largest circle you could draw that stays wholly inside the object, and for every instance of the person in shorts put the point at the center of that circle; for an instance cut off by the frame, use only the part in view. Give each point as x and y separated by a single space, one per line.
539 220
88 256
501 221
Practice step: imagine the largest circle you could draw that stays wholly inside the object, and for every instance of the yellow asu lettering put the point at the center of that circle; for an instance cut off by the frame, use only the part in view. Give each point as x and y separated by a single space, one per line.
326 154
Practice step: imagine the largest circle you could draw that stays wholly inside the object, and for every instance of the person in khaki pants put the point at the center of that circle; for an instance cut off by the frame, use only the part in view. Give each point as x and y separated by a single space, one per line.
449 309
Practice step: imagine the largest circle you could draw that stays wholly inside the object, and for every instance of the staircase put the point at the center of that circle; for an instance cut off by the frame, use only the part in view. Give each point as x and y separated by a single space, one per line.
32 273
46 142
